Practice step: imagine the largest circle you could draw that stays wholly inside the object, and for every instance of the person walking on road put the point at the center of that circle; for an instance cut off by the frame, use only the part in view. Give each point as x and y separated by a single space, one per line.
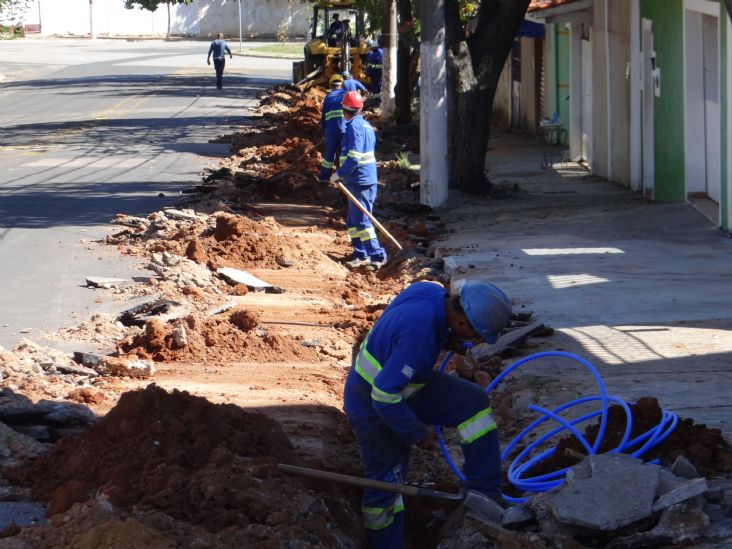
218 50
358 171
332 126
393 396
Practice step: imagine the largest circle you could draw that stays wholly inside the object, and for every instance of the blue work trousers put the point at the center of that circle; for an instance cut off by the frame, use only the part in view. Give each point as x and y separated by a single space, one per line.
375 77
360 229
330 155
445 400
219 65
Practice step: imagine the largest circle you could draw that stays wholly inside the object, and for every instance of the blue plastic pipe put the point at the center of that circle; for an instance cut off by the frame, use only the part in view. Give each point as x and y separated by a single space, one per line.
530 456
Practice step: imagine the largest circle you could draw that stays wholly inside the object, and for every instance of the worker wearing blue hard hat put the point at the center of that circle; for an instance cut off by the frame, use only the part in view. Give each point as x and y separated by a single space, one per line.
393 395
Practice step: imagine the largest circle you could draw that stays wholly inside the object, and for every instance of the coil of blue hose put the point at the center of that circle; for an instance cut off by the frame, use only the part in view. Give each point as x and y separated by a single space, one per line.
525 461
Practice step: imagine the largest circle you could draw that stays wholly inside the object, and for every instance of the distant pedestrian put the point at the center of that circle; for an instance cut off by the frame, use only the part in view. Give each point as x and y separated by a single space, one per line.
374 66
219 49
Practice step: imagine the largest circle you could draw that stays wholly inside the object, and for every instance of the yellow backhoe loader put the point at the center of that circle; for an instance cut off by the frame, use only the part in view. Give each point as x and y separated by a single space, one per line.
336 42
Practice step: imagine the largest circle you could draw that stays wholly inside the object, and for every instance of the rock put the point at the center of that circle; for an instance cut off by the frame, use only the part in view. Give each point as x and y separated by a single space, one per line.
183 215
680 493
678 524
284 262
683 468
714 512
16 448
75 369
667 482
180 270
124 367
163 310
196 252
463 530
517 516
593 498
102 282
720 491
221 308
180 338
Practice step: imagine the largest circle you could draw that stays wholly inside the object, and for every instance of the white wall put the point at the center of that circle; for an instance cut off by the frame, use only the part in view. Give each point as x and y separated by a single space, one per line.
202 18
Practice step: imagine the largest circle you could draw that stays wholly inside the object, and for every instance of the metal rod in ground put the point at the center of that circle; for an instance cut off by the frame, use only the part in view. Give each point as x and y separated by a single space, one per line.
368 214
403 489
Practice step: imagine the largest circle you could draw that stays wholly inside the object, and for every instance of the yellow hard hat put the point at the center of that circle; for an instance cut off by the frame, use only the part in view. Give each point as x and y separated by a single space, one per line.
335 78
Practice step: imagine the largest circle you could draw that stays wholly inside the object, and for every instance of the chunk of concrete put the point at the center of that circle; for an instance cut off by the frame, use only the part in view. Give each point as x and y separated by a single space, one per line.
619 491
181 215
683 468
235 276
686 490
103 282
124 367
163 310
517 516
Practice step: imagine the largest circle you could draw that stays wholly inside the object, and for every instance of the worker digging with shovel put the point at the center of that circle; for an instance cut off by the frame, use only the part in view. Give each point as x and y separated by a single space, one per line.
393 396
358 171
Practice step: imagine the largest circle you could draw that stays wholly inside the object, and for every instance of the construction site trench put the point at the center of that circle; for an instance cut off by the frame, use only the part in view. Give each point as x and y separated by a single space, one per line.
231 356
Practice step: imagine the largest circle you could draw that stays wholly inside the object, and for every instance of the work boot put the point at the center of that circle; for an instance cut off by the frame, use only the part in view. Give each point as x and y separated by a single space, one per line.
375 265
358 262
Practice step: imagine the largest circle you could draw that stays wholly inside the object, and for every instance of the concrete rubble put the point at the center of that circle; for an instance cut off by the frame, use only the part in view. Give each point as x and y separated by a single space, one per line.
180 270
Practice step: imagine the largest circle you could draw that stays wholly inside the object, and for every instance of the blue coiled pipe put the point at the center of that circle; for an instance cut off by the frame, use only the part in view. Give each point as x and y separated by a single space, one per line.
524 461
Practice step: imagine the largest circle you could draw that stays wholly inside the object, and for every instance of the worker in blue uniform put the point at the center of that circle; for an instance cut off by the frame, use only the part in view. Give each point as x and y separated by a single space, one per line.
393 395
358 171
332 126
351 84
374 67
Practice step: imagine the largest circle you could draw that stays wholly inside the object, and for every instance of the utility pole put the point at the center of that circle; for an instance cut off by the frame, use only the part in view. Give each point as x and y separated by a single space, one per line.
433 105
388 80
92 35
239 26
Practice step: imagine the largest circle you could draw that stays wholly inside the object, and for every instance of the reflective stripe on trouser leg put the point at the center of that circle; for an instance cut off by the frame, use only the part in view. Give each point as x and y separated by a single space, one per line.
364 241
453 402
330 155
384 458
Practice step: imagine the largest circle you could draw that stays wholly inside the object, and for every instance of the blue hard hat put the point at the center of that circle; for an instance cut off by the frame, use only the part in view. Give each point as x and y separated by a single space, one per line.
346 74
487 308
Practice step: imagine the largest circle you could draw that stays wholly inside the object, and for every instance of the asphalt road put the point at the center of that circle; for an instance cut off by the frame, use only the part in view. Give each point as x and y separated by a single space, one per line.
89 130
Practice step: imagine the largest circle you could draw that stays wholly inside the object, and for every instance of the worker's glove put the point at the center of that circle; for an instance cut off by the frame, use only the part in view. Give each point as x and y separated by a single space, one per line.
334 178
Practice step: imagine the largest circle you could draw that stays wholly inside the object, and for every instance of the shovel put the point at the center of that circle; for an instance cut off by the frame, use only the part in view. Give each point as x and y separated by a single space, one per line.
482 506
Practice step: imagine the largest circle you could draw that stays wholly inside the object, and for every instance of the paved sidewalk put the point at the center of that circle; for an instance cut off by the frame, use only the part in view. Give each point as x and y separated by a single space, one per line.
641 290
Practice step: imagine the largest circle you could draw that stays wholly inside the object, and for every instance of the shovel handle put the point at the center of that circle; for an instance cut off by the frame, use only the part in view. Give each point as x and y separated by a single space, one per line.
404 489
368 214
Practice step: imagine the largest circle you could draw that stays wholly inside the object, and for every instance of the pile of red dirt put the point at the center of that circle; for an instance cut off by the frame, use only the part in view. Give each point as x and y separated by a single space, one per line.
206 464
232 336
703 446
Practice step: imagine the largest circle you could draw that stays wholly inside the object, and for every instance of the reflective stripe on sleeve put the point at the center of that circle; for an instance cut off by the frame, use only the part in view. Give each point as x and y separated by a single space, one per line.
333 114
387 398
378 518
355 154
477 426
326 164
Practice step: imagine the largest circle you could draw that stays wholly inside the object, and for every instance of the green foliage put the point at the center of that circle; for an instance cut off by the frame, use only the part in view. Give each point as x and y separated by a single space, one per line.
402 160
152 5
10 31
374 10
13 11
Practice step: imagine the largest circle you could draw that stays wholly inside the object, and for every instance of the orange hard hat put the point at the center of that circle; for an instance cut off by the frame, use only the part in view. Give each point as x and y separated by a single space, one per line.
352 101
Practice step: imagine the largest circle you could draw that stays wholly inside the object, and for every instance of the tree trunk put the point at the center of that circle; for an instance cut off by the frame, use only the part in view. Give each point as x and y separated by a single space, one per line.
403 90
167 33
388 73
474 65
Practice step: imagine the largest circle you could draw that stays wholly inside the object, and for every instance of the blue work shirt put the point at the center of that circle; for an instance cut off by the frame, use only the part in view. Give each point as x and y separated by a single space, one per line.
218 49
375 59
352 85
331 116
402 347
358 162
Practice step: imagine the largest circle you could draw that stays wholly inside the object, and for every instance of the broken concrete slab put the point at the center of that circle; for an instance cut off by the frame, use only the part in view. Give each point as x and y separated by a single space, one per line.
180 270
125 367
678 524
683 468
684 491
517 516
235 276
103 282
182 215
221 308
164 310
602 503
484 351
76 369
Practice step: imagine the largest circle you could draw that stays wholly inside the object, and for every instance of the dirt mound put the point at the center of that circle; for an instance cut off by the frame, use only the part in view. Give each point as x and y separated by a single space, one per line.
232 336
704 447
199 462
